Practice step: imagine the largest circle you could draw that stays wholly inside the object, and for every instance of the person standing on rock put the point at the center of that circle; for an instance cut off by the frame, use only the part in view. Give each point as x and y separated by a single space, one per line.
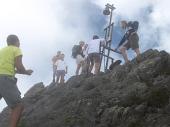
130 39
80 57
10 64
94 58
61 69
54 60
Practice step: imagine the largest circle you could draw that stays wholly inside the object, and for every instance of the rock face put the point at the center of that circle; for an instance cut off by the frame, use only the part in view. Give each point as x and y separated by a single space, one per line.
132 95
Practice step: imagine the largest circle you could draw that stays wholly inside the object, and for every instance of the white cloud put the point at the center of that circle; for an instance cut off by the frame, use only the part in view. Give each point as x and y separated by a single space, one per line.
47 26
44 27
153 24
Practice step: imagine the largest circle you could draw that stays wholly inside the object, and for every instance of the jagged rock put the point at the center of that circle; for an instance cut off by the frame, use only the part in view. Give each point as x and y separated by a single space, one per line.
35 89
130 95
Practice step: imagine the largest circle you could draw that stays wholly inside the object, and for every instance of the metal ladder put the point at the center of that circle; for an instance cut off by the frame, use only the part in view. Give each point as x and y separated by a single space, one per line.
105 50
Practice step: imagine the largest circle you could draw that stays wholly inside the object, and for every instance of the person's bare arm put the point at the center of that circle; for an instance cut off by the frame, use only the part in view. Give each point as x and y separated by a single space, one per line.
20 69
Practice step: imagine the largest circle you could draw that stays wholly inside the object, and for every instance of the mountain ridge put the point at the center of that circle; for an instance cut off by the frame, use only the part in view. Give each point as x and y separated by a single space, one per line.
130 95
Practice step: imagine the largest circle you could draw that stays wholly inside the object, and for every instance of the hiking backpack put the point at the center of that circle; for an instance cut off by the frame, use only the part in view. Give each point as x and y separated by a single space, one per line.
134 25
75 50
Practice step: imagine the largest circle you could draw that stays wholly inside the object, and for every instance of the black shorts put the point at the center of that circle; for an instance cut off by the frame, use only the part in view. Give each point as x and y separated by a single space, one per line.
133 42
9 91
94 58
60 73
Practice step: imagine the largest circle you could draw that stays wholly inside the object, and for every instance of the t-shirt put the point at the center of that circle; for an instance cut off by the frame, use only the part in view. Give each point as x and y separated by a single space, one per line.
7 60
93 45
61 65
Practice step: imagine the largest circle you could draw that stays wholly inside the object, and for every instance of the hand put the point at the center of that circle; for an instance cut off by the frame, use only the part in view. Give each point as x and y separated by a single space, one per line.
29 72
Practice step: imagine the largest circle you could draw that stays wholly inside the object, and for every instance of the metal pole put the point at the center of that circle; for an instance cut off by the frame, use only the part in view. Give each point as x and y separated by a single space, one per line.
111 15
109 37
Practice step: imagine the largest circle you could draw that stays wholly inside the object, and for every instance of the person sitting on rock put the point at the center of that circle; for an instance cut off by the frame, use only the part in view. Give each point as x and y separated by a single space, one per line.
54 60
129 40
94 58
11 59
61 69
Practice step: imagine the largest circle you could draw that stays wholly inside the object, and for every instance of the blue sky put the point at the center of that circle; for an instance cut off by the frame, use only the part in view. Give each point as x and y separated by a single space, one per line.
44 27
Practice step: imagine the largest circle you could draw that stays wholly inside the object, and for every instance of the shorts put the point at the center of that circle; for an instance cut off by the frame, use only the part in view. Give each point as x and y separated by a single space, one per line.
94 58
60 73
133 42
79 59
9 91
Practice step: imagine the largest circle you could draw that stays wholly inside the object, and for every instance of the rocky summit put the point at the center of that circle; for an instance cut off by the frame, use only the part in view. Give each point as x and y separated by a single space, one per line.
136 94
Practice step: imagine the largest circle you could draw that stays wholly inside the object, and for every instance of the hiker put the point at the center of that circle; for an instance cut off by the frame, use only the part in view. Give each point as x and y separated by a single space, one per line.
85 63
54 60
130 39
10 64
93 54
61 69
78 51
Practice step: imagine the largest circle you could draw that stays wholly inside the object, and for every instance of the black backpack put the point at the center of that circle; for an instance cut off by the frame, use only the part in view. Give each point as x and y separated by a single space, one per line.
134 25
75 50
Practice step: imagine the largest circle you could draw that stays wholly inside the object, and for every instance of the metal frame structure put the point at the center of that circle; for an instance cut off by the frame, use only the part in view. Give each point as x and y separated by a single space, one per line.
105 50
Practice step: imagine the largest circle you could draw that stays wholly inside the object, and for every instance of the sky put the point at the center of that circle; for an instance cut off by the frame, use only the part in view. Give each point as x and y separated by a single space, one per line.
46 26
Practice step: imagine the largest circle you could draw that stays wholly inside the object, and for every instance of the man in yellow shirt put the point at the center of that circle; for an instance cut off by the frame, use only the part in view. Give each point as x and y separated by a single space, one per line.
10 64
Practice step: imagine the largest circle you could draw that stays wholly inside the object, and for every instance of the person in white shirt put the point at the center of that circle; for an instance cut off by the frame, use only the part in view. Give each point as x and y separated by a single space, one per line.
61 68
54 60
94 58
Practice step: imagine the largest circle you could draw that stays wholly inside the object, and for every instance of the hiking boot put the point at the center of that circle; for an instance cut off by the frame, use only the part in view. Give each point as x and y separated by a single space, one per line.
113 65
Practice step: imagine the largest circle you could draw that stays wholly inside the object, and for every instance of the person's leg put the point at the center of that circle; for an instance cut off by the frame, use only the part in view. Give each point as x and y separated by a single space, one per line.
58 77
62 79
78 68
138 56
12 96
83 65
54 77
87 65
62 76
134 42
54 73
97 63
91 65
15 115
137 51
97 66
124 54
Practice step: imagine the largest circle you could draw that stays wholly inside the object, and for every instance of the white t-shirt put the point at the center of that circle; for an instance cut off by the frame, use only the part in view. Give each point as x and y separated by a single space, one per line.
61 65
93 45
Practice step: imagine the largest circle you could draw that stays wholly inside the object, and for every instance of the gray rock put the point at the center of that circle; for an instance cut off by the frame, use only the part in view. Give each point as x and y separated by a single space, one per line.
131 95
